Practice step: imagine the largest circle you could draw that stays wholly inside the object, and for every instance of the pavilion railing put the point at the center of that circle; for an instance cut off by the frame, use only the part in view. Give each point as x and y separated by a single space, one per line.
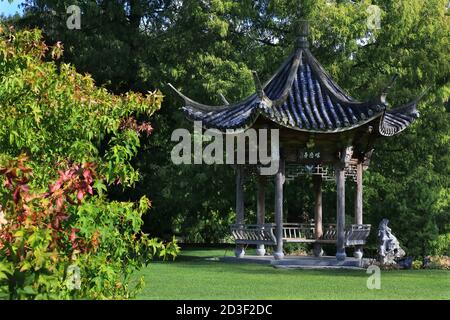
355 234
254 233
298 231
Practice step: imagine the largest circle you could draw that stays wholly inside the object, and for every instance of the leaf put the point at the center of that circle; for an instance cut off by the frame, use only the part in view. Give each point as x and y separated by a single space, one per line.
26 266
100 187
28 290
144 204
6 269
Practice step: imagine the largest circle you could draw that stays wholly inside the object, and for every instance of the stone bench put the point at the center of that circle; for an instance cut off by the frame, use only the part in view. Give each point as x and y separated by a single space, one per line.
355 234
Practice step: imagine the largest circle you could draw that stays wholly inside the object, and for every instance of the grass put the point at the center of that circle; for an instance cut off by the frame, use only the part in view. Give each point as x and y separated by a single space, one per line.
197 274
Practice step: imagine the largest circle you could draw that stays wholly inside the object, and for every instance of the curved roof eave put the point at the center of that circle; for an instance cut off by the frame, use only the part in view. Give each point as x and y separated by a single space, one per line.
396 120
207 108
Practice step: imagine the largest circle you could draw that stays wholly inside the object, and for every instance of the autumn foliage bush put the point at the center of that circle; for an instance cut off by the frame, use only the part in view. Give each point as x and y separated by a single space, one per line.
47 233
63 142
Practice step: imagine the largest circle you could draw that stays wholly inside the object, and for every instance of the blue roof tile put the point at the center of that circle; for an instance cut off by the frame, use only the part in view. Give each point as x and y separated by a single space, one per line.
302 96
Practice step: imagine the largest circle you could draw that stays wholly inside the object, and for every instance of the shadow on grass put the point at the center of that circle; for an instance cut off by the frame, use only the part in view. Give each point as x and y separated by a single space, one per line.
248 268
206 258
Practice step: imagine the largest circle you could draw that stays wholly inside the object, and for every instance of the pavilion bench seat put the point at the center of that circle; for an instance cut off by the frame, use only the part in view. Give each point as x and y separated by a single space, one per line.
254 234
355 234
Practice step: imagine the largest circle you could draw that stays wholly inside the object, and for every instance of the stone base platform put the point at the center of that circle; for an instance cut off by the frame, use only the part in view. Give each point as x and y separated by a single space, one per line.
302 262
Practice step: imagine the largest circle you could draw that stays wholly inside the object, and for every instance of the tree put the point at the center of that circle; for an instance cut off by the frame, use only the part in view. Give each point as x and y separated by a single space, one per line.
210 47
63 143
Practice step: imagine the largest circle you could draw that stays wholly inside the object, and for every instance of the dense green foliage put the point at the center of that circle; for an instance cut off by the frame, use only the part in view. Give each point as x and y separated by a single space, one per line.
209 47
197 274
78 140
55 114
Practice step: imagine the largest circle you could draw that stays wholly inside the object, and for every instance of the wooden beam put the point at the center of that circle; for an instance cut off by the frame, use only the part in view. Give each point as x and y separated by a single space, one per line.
359 194
340 219
239 194
279 181
318 228
359 204
239 252
261 210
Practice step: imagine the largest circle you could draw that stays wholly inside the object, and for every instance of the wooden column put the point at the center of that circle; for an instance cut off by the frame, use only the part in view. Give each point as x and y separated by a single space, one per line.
359 205
239 252
261 210
279 181
340 221
318 229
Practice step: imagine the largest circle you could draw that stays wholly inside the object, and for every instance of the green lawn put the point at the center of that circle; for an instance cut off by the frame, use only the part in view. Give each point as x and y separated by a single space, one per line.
197 275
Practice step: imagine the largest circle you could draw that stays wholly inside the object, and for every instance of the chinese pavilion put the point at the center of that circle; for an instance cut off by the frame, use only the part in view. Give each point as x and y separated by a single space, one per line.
323 132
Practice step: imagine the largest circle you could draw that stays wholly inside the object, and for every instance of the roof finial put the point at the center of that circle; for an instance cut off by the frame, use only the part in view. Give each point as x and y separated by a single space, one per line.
303 33
424 92
258 85
225 101
387 88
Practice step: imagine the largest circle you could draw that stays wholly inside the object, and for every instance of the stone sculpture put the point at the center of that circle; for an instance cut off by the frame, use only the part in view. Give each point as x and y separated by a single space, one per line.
389 250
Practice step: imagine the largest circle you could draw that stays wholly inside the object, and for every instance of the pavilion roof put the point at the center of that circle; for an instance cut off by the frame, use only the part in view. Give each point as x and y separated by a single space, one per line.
302 96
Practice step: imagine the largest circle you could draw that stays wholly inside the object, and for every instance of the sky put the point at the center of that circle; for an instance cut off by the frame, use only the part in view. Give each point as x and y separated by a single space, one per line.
8 9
